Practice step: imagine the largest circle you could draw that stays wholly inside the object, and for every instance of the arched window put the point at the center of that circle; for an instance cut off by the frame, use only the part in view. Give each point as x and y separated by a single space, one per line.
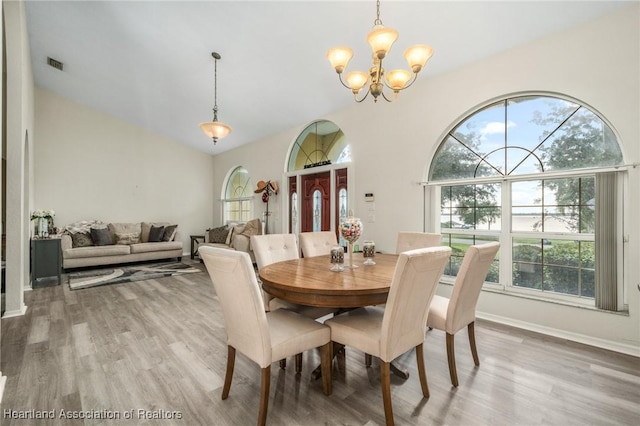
238 196
321 143
531 172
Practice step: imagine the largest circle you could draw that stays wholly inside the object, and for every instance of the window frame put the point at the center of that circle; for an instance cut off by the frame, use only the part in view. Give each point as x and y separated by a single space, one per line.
245 203
432 197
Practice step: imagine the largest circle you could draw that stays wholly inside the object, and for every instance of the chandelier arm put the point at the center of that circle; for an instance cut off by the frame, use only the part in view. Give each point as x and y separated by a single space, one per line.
355 96
342 81
385 97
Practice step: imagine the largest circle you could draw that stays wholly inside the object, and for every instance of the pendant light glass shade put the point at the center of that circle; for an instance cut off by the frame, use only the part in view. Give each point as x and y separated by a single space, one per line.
215 129
356 80
396 79
417 56
381 39
339 57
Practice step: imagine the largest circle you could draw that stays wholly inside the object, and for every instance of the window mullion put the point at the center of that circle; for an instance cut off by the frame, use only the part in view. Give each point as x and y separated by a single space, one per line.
505 237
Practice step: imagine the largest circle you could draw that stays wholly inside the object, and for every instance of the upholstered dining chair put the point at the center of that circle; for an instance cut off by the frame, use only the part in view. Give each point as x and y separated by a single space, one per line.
317 243
393 330
452 314
263 337
413 240
272 248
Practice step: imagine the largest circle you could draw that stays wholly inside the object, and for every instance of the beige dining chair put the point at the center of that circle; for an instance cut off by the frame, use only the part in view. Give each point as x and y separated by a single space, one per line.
317 243
410 241
452 314
263 337
413 240
393 330
272 248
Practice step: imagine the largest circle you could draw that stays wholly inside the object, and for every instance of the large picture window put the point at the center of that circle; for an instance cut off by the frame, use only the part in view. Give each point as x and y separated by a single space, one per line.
524 171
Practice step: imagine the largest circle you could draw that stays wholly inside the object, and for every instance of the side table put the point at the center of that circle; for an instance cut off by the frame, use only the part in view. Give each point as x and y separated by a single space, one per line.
195 239
46 260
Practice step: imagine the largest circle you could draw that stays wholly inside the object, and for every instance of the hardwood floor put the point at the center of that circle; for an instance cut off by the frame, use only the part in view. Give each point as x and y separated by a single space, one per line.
159 346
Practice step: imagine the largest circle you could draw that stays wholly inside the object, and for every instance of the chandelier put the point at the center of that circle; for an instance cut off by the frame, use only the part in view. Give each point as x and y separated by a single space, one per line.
215 129
380 39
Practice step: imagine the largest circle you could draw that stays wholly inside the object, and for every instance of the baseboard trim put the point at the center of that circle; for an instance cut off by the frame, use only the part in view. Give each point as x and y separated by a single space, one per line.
15 313
562 334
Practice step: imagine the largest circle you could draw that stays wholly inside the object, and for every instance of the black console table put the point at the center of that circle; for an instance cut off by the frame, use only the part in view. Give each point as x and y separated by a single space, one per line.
46 261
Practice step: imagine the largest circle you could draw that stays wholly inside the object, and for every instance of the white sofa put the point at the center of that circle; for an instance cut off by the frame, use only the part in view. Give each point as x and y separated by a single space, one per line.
120 251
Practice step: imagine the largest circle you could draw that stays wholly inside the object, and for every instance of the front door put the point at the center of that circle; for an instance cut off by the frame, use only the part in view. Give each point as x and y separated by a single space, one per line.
315 204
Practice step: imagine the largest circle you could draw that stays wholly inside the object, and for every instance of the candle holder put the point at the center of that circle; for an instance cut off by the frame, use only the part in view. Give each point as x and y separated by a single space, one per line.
337 258
351 229
369 252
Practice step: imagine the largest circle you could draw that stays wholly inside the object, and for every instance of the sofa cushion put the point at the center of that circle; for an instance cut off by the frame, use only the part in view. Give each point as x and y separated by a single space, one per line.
96 251
81 239
169 232
218 235
101 237
127 237
124 228
150 247
155 234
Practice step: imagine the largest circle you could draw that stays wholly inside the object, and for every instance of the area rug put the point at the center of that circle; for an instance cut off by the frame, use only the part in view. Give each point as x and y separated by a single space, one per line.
96 277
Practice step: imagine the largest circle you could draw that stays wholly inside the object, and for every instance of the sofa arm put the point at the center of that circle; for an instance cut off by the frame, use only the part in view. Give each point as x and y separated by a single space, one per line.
66 242
241 243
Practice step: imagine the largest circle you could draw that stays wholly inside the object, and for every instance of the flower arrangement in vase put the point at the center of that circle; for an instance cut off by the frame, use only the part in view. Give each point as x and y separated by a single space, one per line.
350 229
44 220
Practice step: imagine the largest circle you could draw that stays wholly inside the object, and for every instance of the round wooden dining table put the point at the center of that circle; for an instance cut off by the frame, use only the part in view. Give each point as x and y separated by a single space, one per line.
310 281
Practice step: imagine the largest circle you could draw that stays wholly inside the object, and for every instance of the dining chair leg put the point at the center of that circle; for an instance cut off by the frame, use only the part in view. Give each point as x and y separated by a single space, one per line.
231 361
472 341
385 383
367 360
326 358
298 363
451 356
265 382
422 374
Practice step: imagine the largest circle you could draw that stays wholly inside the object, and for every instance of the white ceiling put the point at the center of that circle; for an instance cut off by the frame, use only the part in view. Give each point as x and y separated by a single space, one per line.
149 62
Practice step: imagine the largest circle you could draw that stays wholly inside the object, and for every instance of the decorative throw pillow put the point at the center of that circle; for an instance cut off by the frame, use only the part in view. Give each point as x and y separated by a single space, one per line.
253 227
156 234
169 232
80 239
238 229
127 238
101 236
218 235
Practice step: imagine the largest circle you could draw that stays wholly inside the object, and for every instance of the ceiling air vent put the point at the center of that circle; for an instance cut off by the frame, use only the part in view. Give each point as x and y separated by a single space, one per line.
56 64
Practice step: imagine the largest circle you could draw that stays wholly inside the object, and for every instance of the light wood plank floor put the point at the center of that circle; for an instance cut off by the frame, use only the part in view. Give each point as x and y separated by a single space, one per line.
159 346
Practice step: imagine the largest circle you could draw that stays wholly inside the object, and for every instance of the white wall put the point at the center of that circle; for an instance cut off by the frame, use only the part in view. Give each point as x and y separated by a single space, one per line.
392 146
20 118
89 165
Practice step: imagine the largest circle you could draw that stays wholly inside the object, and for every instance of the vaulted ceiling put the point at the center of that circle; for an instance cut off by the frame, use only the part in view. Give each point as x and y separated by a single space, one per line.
150 63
